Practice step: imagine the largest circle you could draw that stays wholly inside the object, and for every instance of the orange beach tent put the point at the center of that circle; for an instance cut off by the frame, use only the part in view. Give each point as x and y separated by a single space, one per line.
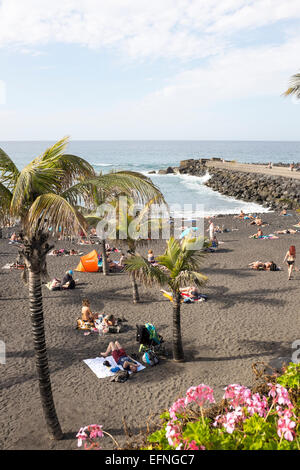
88 263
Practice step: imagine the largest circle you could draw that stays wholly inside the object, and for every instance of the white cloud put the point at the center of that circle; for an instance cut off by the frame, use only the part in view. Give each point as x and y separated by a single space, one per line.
2 92
138 28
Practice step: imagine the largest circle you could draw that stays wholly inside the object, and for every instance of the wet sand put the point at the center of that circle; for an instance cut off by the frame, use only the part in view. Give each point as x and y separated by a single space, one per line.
249 316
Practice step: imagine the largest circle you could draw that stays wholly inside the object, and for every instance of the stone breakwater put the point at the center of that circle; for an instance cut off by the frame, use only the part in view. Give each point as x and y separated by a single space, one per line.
273 191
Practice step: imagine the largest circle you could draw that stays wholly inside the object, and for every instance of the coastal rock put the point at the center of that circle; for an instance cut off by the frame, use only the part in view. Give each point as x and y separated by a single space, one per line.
153 172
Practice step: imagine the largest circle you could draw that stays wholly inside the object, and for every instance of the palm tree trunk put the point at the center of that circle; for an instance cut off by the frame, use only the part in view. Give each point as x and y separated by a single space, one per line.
105 267
37 323
178 354
135 292
34 250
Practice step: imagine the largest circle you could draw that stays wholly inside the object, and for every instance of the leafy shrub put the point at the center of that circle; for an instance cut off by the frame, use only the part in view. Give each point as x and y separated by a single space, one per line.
249 421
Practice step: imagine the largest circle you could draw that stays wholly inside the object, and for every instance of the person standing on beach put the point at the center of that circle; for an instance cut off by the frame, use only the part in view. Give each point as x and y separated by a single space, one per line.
290 258
211 230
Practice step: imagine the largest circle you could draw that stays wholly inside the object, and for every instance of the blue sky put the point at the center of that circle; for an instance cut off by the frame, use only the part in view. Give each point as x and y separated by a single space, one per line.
131 69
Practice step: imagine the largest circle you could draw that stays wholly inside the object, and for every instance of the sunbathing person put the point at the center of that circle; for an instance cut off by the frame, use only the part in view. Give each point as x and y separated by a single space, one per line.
86 314
259 234
240 216
68 281
259 265
120 356
283 212
287 231
151 258
257 221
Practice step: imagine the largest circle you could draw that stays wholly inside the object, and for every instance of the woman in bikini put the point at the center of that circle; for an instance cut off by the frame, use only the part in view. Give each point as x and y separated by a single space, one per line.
86 313
290 258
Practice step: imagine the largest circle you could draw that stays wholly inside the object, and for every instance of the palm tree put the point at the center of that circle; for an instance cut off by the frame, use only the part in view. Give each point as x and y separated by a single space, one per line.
294 88
52 191
178 266
133 226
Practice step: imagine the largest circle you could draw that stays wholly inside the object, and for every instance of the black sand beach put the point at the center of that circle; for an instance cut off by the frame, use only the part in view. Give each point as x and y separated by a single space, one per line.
249 316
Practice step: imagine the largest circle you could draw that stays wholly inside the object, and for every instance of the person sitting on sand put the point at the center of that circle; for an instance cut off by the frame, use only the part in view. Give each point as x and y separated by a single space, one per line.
283 212
240 216
86 313
120 356
151 258
68 281
259 234
290 259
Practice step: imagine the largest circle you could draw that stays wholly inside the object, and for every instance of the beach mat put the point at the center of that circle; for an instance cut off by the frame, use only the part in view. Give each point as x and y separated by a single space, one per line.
101 371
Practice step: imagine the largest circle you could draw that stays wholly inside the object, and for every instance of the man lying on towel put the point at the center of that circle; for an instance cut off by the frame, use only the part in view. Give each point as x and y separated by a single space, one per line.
120 356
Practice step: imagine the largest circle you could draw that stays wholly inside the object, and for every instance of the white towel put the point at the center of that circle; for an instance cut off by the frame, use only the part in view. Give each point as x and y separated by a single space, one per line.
96 365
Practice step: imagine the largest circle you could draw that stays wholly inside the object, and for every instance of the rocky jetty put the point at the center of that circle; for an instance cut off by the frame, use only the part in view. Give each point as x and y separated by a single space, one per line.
269 191
275 192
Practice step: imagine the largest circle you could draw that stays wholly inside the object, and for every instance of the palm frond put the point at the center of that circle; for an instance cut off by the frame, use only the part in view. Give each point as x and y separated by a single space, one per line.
52 210
133 184
294 88
35 179
145 271
8 171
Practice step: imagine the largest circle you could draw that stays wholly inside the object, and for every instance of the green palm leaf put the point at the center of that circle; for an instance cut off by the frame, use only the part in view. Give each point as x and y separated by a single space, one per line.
52 210
9 173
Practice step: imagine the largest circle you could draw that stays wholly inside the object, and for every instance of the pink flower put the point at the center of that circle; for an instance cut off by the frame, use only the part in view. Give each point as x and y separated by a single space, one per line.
285 427
237 395
173 434
179 405
199 394
230 420
279 394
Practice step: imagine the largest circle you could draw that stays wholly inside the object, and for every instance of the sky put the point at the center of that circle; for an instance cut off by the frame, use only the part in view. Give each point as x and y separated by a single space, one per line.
141 70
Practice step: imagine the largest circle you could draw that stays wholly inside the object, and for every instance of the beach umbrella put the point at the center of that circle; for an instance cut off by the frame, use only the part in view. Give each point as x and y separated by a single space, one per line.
187 231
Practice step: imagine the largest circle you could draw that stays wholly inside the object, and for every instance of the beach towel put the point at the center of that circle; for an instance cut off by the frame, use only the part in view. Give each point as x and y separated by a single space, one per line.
101 371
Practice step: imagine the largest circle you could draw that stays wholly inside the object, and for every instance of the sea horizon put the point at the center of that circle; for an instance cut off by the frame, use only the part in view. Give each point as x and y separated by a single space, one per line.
145 156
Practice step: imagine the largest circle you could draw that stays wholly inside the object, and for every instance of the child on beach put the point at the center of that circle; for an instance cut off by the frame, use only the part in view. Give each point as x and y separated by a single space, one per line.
290 259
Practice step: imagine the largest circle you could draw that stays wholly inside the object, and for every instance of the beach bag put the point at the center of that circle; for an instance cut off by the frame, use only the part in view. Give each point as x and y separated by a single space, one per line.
120 376
150 358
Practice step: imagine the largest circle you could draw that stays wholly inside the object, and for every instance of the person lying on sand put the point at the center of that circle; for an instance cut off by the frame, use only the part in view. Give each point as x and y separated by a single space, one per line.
86 314
257 221
283 212
120 356
259 265
287 231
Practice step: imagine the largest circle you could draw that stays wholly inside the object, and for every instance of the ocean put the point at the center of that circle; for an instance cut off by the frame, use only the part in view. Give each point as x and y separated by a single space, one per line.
144 156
